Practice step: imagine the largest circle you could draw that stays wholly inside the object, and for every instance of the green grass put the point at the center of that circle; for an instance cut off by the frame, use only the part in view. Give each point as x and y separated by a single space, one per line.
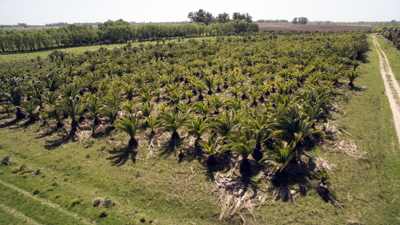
6 218
393 55
34 209
166 192
155 189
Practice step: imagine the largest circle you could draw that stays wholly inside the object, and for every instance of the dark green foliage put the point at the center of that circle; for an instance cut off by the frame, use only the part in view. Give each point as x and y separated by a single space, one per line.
111 32
254 100
392 34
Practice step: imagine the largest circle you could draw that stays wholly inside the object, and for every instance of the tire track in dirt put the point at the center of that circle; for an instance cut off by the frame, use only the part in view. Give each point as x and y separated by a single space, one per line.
392 88
17 214
47 203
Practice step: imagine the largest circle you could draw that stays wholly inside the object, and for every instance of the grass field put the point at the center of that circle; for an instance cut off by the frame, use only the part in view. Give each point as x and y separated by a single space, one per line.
164 192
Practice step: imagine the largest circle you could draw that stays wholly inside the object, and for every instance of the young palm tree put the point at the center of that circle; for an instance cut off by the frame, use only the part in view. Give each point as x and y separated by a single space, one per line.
296 129
243 145
258 126
111 105
215 103
15 97
352 76
209 82
32 110
172 121
202 108
93 106
197 127
151 123
224 123
130 126
280 156
72 106
52 109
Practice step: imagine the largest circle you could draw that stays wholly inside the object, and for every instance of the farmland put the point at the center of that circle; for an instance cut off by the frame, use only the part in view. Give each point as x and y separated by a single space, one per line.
312 27
225 125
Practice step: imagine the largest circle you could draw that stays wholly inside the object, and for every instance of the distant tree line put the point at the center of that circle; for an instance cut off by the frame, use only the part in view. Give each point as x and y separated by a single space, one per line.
300 20
202 16
119 31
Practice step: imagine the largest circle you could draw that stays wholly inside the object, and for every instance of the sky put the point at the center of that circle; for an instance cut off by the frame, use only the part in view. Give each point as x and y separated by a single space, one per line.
37 12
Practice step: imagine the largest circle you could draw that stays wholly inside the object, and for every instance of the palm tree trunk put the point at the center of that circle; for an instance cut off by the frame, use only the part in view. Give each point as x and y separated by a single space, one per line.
133 144
245 167
94 125
257 154
19 114
74 128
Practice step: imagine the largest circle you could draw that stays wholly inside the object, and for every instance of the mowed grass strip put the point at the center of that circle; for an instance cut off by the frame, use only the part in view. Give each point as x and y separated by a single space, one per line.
152 189
8 218
24 219
34 209
369 186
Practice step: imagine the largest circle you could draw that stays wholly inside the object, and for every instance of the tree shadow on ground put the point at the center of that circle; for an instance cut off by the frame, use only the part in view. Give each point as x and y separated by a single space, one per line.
301 178
48 132
120 156
53 144
169 148
104 132
216 163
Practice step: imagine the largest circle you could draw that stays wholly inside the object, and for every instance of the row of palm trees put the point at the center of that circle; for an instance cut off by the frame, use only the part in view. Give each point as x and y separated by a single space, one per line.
255 99
392 33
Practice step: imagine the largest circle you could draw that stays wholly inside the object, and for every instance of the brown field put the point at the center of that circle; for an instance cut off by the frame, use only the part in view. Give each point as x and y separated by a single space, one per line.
312 27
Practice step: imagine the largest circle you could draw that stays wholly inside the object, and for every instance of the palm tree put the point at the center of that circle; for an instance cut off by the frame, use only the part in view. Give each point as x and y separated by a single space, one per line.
258 127
296 129
151 123
93 106
171 121
244 145
31 109
209 82
111 105
352 76
15 96
215 103
197 127
202 108
224 123
280 156
129 125
72 106
52 109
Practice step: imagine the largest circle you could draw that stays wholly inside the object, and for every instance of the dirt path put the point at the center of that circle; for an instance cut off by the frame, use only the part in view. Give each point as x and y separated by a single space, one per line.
17 214
392 88
46 203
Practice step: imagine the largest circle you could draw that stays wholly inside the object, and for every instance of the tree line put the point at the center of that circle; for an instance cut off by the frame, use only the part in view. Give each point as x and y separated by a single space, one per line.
392 34
119 31
202 16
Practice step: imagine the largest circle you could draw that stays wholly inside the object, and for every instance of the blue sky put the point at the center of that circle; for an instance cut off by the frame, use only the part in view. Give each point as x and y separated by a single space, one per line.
50 11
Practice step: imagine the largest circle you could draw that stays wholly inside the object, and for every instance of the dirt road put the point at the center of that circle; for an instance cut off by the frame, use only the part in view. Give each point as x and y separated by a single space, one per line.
392 88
